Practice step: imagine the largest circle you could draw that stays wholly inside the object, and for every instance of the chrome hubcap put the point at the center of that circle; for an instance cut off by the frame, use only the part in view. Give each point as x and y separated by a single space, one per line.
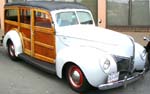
75 77
11 50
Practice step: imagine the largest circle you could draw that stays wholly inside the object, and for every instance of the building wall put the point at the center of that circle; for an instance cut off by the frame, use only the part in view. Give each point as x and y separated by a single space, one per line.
128 15
2 14
102 13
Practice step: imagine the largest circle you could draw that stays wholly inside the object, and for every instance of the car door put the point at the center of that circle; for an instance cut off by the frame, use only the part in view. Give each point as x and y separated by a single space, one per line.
43 37
25 29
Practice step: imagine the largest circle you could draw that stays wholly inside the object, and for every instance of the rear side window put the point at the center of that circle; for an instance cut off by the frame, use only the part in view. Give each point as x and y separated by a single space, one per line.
11 14
42 20
25 16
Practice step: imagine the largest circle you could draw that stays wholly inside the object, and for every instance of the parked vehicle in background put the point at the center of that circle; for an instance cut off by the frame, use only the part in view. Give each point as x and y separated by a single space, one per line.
62 38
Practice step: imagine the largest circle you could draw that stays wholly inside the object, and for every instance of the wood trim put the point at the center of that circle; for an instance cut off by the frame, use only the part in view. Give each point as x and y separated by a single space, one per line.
32 32
41 10
44 30
33 29
23 25
27 39
28 52
44 58
11 7
44 45
11 22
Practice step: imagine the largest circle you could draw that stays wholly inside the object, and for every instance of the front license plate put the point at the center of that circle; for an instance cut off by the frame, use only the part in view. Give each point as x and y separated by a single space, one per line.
113 77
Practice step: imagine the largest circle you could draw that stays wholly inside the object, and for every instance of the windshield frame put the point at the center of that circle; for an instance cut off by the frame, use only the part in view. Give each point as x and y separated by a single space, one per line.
56 12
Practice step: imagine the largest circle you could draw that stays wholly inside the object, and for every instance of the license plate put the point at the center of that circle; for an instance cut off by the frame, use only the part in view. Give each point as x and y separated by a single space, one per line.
113 77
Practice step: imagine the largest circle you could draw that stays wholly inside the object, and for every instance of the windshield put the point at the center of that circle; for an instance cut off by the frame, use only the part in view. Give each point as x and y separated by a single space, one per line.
73 18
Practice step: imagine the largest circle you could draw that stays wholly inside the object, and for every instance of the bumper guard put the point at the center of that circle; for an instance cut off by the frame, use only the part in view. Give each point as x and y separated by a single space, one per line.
123 82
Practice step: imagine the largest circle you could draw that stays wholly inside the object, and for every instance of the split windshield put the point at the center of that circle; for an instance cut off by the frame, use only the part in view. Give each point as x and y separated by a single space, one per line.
73 18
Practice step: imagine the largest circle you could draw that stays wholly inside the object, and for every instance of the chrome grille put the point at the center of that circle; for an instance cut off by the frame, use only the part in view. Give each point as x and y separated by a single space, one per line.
124 64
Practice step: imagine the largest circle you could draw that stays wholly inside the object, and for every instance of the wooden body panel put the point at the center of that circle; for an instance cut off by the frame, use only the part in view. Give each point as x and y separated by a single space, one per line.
26 37
9 25
44 43
37 33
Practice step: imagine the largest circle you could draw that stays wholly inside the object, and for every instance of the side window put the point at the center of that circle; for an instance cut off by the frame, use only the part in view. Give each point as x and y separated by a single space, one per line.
25 16
42 20
66 18
11 14
84 17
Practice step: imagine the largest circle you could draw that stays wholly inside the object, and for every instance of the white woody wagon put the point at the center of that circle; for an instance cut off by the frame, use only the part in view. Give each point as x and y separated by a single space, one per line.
62 38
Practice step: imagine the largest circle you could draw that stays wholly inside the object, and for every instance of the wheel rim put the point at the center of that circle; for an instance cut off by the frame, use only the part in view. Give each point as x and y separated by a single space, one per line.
11 50
75 77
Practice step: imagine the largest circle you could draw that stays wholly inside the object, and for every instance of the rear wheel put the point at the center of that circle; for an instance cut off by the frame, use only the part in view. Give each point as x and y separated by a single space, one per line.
11 51
77 79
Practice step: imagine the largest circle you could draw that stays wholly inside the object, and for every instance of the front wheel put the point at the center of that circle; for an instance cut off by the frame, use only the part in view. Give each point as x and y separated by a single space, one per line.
76 79
11 51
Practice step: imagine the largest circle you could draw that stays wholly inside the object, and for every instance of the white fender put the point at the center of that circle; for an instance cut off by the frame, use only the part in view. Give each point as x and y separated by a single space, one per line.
15 38
88 59
140 57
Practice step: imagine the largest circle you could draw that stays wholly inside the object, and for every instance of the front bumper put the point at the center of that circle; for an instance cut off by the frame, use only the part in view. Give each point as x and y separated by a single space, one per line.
123 82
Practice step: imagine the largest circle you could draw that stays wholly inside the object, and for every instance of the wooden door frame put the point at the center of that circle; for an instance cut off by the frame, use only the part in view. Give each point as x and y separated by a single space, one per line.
33 42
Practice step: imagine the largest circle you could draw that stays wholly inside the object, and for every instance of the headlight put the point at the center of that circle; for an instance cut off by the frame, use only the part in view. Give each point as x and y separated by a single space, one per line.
106 64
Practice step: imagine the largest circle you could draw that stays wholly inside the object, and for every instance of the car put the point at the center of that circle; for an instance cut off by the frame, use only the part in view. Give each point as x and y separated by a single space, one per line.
62 38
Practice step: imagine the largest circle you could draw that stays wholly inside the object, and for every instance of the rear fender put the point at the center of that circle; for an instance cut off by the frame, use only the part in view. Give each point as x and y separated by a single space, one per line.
14 36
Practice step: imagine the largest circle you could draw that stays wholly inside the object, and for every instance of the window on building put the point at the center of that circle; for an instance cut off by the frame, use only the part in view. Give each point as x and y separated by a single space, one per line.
140 12
128 12
117 12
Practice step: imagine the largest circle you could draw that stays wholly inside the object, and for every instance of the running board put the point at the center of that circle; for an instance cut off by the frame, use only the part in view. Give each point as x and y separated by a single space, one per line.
48 67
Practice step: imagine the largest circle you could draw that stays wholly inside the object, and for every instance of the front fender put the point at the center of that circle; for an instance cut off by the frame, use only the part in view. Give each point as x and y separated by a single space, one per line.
15 38
85 58
140 57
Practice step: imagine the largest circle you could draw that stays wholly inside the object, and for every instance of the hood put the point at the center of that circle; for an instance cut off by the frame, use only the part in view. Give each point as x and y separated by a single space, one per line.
107 41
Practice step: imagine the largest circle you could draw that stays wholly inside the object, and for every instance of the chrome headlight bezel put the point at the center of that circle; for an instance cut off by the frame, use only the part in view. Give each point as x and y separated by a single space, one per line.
106 63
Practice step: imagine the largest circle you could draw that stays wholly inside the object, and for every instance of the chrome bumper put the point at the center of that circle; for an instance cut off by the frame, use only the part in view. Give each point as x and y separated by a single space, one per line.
122 82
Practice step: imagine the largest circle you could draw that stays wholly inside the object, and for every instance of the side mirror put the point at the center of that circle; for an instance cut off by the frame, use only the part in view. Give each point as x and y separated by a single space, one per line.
146 39
99 21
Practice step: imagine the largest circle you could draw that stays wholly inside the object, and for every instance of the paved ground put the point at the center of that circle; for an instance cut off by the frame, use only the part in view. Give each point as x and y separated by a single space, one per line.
138 36
21 78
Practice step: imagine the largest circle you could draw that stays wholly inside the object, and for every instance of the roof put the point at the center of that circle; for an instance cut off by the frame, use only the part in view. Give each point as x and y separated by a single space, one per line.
49 5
